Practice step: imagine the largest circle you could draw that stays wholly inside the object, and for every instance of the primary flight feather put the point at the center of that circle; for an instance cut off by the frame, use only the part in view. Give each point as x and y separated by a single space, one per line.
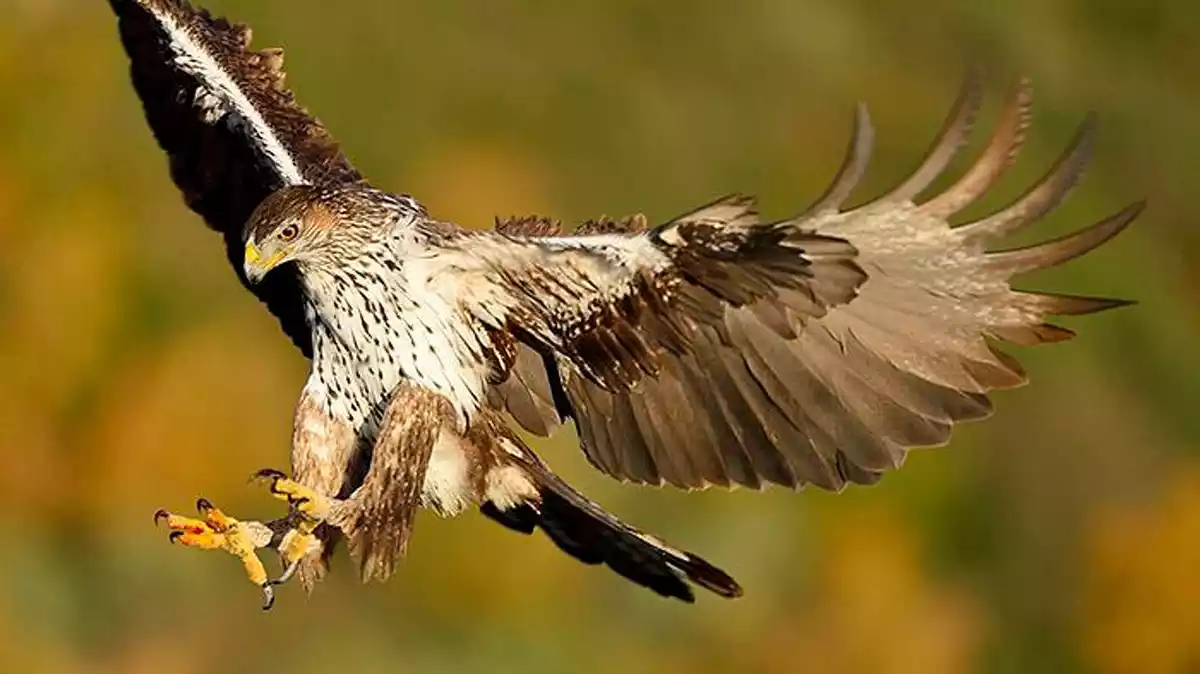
713 349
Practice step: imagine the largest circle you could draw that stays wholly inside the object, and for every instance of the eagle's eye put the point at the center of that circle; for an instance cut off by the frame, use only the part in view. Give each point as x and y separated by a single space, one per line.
289 232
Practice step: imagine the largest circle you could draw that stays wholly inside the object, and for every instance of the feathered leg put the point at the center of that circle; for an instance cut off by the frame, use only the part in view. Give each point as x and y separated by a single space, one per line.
378 517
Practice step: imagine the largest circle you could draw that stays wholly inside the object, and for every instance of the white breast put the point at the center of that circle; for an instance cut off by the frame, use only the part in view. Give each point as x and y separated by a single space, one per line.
375 325
440 348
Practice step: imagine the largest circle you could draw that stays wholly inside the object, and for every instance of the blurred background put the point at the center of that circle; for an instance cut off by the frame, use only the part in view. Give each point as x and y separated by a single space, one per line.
1062 536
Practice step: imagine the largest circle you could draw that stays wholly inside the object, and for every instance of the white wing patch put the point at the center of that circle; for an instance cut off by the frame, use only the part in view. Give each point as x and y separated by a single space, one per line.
564 277
630 253
221 97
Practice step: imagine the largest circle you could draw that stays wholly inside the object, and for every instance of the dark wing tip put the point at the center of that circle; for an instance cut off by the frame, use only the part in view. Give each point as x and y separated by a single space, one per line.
1117 303
1045 195
1079 305
1066 248
711 578
1001 152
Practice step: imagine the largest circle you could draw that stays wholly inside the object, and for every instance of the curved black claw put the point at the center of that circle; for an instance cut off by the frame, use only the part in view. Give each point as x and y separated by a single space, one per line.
203 505
174 536
160 516
268 589
269 474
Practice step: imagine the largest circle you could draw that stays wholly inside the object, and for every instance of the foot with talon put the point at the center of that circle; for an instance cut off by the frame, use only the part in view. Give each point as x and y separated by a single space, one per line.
308 510
311 506
292 536
214 530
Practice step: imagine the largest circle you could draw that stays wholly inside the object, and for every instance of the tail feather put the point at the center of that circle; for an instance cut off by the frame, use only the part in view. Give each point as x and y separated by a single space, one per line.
582 529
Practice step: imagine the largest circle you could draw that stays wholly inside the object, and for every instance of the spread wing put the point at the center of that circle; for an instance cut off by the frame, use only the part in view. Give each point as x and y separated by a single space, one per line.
232 131
718 350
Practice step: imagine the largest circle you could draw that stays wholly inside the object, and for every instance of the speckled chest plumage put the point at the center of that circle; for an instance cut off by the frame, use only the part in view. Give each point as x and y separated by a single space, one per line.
375 323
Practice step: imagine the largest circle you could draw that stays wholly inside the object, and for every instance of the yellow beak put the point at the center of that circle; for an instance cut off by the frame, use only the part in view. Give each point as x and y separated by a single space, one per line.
255 266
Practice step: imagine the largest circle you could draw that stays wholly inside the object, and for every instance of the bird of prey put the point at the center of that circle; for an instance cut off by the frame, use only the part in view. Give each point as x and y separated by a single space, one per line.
715 349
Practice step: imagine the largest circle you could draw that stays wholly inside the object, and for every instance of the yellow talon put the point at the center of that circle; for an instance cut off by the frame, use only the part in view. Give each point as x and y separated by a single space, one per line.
308 510
217 531
213 517
307 502
241 538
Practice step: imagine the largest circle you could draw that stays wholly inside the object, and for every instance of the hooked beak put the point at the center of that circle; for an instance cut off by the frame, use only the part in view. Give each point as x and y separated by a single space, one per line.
256 266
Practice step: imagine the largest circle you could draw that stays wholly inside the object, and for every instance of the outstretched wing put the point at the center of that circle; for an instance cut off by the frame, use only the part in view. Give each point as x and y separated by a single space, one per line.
719 350
232 131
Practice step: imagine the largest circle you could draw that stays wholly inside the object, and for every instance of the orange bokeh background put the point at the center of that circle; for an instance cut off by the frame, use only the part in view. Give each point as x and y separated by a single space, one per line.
1061 536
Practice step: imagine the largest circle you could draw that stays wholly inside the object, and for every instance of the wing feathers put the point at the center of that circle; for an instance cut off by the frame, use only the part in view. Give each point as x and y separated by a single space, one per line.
854 166
749 415
690 426
1057 304
999 155
735 211
1064 249
1045 196
527 394
950 140
788 387
818 350
716 425
531 225
232 131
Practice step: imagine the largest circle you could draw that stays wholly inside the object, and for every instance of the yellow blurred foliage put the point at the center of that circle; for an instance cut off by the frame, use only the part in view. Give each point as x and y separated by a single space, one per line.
135 373
74 317
472 184
1141 610
152 442
873 607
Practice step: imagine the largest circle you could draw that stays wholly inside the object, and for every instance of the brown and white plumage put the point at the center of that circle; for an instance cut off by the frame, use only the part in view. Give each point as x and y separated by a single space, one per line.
887 342
714 349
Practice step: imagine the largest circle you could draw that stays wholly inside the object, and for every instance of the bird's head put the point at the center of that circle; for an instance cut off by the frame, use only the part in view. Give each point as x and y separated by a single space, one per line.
306 225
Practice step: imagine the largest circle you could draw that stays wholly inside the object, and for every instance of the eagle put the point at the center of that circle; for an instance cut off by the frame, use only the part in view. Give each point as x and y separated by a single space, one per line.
716 349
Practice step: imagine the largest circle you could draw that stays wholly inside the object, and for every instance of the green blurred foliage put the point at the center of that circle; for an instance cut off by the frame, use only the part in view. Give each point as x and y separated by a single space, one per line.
1062 536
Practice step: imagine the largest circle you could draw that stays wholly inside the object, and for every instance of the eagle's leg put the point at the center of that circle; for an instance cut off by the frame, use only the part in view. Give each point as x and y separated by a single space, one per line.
308 510
217 531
